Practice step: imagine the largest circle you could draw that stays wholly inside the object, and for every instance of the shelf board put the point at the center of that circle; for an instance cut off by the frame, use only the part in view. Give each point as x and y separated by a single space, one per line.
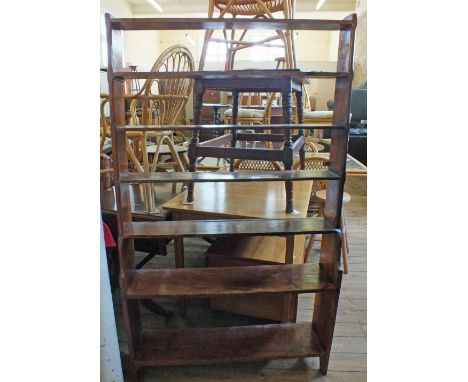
241 176
222 74
229 23
147 128
225 345
227 281
221 228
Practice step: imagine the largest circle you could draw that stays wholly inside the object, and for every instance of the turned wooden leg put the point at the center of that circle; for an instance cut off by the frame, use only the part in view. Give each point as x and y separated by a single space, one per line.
235 110
287 150
300 120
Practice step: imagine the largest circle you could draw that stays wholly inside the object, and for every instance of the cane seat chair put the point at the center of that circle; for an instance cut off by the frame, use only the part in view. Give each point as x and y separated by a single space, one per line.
317 203
258 9
256 165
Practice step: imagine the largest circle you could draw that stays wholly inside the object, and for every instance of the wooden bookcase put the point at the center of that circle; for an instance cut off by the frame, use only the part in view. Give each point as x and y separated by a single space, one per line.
245 343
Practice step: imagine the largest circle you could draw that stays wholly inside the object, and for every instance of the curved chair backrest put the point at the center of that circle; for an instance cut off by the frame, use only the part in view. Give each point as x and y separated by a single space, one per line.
162 100
256 165
315 163
310 149
105 128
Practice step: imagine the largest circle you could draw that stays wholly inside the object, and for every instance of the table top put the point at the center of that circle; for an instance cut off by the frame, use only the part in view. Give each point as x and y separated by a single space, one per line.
257 200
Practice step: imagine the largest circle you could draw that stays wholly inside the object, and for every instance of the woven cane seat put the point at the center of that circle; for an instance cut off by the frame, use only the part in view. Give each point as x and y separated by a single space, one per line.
249 7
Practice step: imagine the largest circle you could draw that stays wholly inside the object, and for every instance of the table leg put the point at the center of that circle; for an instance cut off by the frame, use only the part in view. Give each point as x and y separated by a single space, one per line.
235 110
300 120
288 154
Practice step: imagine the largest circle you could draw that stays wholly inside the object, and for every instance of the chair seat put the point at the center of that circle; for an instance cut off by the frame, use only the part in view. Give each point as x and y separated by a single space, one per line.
246 113
322 194
320 114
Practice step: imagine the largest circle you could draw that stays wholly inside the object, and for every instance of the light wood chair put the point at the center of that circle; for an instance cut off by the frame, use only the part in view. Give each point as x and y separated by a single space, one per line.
256 165
317 202
160 102
105 133
310 149
258 9
318 117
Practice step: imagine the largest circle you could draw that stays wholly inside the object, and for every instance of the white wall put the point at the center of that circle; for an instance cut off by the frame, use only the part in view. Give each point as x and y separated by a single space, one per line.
315 50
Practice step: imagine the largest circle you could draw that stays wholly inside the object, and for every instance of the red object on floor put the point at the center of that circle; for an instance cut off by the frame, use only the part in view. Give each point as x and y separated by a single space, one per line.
108 239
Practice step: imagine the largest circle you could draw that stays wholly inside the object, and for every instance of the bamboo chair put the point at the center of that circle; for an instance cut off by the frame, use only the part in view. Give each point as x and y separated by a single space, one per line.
104 123
310 149
256 165
160 102
317 203
257 9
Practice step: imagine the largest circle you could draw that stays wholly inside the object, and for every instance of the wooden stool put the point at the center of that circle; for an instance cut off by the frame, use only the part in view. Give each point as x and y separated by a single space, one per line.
321 195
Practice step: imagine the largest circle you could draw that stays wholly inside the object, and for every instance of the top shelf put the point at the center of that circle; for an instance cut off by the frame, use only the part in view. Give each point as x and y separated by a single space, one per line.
241 74
209 23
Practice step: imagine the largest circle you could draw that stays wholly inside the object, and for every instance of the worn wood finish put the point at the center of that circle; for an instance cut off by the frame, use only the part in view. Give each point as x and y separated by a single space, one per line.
348 357
209 23
203 177
282 126
222 345
227 281
221 228
238 74
228 200
246 343
326 304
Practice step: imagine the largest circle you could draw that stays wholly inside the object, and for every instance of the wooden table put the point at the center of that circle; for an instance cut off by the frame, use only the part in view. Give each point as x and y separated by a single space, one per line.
248 200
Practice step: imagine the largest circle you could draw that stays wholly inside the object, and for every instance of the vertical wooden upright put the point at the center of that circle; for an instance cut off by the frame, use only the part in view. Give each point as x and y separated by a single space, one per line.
326 304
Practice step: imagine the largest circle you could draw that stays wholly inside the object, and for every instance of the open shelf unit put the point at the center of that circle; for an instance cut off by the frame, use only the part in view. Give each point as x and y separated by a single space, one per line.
245 343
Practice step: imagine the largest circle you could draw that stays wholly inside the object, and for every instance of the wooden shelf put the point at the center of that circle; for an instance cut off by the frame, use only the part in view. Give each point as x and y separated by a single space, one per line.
241 74
227 281
226 127
246 176
223 345
221 228
210 23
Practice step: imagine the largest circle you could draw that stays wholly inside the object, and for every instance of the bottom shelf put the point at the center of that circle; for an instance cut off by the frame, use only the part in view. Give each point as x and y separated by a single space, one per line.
232 344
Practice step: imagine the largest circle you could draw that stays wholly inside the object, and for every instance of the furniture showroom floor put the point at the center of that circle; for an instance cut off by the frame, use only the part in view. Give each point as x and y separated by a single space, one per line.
348 358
